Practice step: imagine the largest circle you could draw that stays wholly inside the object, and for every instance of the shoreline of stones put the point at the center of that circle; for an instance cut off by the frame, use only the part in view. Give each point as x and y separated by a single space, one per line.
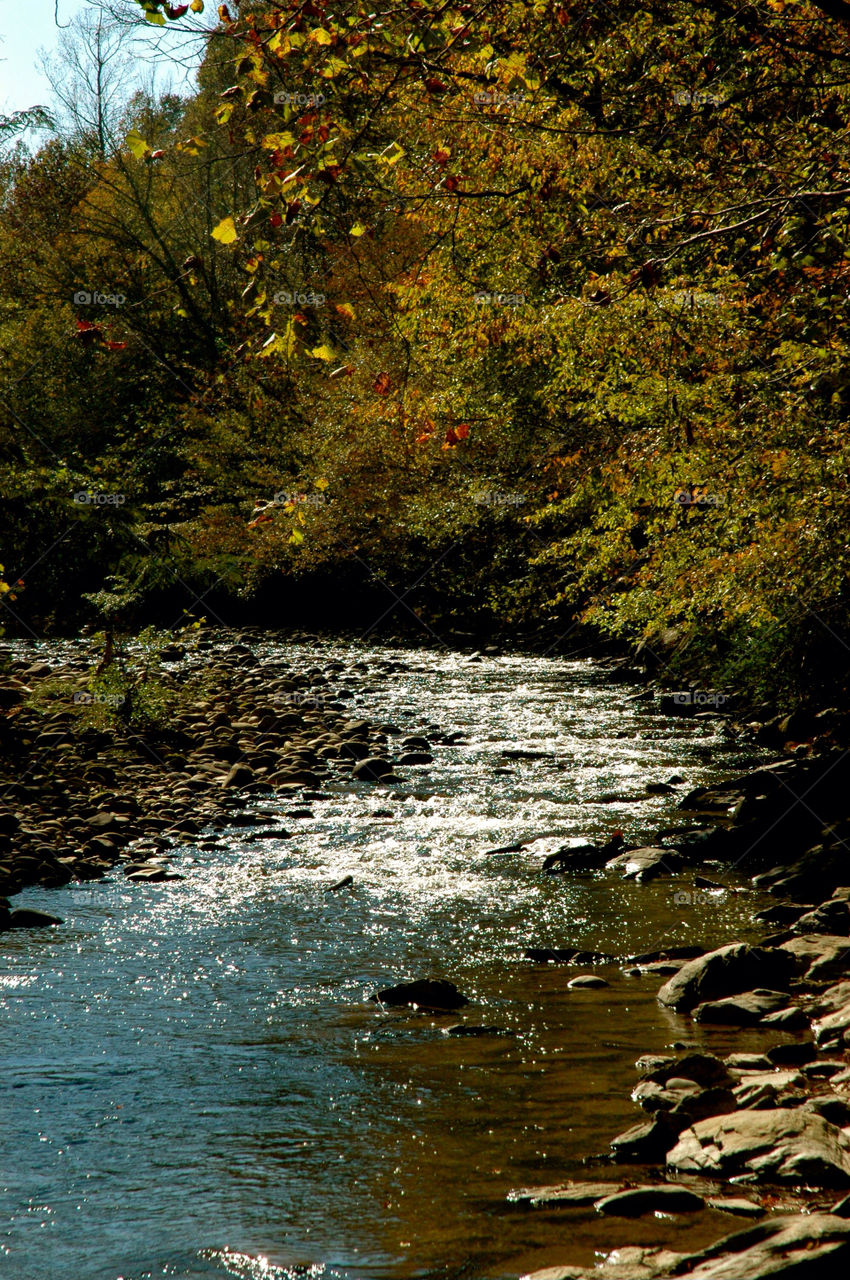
77 804
764 1136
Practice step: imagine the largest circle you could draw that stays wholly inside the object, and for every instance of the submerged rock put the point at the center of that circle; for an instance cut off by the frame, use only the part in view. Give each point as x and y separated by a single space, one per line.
664 1198
434 994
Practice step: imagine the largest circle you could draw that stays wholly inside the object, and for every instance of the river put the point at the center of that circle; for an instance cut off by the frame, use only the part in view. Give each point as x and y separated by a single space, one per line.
195 1084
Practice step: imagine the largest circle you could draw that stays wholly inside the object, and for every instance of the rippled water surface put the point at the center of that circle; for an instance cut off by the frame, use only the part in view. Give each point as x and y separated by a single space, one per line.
195 1085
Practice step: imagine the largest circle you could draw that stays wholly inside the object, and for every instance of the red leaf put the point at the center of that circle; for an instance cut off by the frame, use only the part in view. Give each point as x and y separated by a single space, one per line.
382 384
451 184
115 346
440 156
176 11
292 211
462 431
451 437
435 86
323 133
156 155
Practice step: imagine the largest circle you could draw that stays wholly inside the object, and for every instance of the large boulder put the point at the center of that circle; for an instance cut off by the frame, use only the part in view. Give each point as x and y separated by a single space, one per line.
725 972
782 1145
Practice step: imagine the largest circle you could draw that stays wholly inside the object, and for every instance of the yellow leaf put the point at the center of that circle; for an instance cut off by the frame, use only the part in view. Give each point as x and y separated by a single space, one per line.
320 36
324 352
345 309
296 536
358 229
137 144
197 6
321 484
273 141
225 232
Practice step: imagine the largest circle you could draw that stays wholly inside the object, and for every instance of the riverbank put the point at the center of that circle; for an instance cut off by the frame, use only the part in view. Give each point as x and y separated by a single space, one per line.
79 800
763 1135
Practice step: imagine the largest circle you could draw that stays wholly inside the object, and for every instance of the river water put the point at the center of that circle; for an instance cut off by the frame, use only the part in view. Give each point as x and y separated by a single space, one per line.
195 1084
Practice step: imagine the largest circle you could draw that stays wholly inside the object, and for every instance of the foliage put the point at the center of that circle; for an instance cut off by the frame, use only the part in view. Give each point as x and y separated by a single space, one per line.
541 306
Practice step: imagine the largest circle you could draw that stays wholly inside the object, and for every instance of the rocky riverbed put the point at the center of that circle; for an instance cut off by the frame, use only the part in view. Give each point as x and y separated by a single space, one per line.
757 1133
753 1134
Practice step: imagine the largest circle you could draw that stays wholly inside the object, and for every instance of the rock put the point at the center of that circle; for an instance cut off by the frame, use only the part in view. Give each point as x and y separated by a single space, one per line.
372 769
426 993
792 1055
727 971
693 1107
783 1145
645 864
664 1198
648 1142
749 1062
741 1011
587 980
832 1107
833 1029
341 884
791 1019
806 1246
416 757
653 1062
239 776
26 918
570 1194
702 1068
821 956
736 1205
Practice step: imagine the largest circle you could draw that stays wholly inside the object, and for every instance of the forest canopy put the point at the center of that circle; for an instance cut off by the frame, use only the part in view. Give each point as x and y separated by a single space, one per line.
536 312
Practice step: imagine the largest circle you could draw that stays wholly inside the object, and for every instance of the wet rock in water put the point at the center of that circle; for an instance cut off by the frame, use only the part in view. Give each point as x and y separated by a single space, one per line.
435 994
372 769
741 1011
704 1104
653 1062
792 1055
782 1145
26 918
702 1068
736 1205
664 1198
416 757
341 884
587 980
572 1195
507 848
647 864
647 1142
749 1062
791 1019
727 971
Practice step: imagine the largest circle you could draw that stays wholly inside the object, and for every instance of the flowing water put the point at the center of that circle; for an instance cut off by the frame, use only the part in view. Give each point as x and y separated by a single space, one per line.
195 1084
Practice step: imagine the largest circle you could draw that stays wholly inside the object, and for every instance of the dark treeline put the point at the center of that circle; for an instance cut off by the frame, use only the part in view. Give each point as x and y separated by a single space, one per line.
540 307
